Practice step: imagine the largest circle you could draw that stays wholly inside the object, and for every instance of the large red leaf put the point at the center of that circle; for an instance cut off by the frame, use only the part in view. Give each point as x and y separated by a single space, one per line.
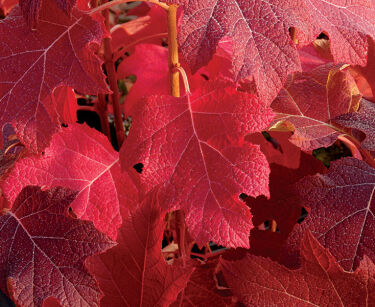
263 49
134 273
82 159
258 281
55 54
180 142
341 213
309 102
43 248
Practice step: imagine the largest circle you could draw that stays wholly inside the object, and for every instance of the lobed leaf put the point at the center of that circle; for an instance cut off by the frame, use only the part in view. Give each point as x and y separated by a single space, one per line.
309 102
183 144
320 281
81 159
43 248
134 273
56 53
263 49
341 213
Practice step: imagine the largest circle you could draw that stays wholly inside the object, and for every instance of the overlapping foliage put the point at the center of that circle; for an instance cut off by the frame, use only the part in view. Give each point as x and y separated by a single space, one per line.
214 196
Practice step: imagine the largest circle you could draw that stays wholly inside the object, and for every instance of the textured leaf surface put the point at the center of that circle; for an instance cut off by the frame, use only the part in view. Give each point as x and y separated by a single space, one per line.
182 143
42 250
320 281
82 159
341 212
363 120
309 102
36 71
202 289
263 49
134 273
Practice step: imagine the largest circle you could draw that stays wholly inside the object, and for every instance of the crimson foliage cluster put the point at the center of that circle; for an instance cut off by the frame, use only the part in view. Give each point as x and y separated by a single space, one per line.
207 191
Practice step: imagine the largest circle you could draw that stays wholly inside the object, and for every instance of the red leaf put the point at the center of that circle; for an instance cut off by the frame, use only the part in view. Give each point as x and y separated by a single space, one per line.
43 249
320 281
284 207
310 101
55 54
263 49
363 120
277 148
365 76
66 104
136 31
7 5
180 143
134 273
152 75
82 159
311 56
31 8
202 289
264 55
341 213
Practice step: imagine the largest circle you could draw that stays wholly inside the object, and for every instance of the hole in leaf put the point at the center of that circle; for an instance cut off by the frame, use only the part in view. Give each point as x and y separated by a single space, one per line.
323 36
267 225
205 77
90 118
302 216
138 167
64 125
243 196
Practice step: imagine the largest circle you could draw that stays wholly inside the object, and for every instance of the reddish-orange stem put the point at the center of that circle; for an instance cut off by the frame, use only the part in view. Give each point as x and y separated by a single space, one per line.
175 91
112 80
